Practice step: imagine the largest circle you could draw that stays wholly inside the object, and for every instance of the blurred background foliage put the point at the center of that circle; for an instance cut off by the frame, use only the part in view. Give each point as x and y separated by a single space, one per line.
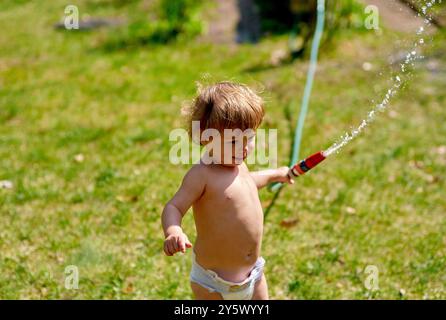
160 22
164 21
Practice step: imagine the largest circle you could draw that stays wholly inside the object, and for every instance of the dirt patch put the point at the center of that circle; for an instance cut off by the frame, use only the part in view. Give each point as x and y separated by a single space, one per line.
222 21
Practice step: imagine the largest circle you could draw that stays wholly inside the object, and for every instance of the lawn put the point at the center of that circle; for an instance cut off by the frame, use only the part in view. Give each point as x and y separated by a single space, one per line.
84 140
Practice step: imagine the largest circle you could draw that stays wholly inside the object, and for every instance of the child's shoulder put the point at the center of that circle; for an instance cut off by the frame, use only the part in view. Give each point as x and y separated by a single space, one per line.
195 179
198 171
198 168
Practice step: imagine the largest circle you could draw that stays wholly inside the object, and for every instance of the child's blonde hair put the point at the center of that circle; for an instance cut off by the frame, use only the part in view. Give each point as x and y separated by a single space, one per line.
225 105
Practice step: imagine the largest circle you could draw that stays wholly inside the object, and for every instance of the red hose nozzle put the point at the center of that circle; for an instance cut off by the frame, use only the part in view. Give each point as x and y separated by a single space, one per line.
305 165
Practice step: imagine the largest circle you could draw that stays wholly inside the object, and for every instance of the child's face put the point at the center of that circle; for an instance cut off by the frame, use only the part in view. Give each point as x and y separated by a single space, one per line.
234 147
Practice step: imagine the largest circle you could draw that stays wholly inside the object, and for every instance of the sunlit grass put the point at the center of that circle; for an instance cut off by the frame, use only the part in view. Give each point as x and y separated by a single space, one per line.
64 94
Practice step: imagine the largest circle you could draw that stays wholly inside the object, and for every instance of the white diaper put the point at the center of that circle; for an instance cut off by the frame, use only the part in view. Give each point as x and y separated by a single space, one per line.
229 290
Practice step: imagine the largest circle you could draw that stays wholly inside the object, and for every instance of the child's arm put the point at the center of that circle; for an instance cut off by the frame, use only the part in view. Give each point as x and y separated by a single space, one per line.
191 189
265 177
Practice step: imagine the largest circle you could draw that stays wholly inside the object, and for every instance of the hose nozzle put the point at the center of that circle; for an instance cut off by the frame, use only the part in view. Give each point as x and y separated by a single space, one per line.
307 164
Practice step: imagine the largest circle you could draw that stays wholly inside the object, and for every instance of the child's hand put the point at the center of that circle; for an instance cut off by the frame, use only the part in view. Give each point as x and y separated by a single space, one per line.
175 243
283 176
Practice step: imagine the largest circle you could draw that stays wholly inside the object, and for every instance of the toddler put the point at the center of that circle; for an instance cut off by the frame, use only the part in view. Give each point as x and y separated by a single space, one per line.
226 260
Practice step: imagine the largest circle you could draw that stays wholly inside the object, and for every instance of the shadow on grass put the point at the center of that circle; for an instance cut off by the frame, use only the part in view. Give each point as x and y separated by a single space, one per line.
289 60
157 38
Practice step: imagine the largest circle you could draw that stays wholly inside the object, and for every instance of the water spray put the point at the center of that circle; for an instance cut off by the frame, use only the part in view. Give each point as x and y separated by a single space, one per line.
307 164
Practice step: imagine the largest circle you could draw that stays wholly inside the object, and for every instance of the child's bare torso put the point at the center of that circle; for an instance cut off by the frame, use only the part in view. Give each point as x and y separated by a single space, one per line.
229 222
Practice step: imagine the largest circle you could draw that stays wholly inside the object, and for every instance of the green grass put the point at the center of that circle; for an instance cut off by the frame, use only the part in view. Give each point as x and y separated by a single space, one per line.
379 202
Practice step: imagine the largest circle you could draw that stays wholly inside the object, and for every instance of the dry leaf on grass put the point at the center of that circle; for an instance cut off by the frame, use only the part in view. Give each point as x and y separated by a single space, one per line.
288 223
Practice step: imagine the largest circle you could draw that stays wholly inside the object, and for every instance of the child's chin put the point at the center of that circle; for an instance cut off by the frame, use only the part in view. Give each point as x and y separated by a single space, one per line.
230 165
234 163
